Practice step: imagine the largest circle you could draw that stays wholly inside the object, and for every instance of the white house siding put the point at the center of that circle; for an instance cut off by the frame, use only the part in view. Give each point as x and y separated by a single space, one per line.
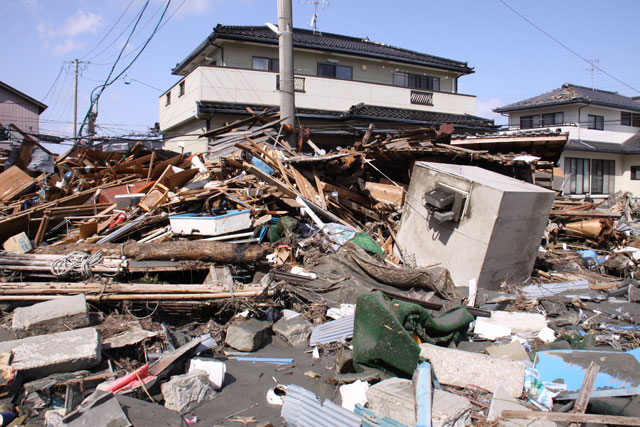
613 131
17 110
240 55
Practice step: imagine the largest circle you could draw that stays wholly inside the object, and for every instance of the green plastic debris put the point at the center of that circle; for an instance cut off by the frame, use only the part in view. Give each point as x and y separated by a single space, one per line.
383 327
367 243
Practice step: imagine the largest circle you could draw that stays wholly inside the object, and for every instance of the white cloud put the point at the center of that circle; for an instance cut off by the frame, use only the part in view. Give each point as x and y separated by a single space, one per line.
485 109
66 46
68 36
82 22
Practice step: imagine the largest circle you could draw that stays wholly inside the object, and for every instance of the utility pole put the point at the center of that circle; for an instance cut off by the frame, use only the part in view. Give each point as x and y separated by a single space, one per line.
285 39
75 98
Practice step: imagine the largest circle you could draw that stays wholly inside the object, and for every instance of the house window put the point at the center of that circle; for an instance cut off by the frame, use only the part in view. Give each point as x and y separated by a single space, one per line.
630 119
416 81
635 173
266 64
541 120
167 98
181 89
595 122
589 176
336 71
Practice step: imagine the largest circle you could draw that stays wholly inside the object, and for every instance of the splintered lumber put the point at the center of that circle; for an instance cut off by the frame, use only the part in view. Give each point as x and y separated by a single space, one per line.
197 250
587 214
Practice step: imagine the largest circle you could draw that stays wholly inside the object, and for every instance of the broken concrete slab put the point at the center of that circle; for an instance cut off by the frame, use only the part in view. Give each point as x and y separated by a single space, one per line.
502 401
185 392
294 330
462 368
395 398
52 316
248 336
99 410
449 410
130 337
66 351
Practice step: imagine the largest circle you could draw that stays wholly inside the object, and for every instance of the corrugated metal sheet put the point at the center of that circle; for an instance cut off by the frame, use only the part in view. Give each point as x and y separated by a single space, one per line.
302 408
549 289
336 330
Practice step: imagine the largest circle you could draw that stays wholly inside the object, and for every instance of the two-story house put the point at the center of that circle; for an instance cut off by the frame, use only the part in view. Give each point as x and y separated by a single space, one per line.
337 79
20 109
602 155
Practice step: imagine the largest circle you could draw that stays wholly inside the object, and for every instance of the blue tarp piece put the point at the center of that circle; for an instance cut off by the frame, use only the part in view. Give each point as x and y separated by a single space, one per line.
618 370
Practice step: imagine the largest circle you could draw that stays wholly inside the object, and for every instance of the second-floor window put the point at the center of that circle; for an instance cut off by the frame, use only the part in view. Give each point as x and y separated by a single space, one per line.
630 119
416 81
595 122
541 120
267 64
167 98
336 71
181 89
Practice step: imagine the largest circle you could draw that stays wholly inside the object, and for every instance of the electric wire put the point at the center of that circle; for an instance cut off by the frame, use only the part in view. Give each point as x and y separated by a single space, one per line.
54 82
94 100
591 63
110 29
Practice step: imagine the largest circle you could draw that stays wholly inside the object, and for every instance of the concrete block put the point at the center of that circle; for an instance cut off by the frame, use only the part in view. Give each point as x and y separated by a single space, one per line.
43 355
462 368
502 401
450 410
295 330
186 392
248 336
47 317
395 398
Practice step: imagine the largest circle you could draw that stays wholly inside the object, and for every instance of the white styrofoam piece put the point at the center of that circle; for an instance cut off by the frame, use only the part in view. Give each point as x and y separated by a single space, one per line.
189 224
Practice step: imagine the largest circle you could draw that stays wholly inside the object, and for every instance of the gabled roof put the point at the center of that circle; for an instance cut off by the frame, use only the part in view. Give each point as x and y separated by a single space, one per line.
326 42
26 97
573 94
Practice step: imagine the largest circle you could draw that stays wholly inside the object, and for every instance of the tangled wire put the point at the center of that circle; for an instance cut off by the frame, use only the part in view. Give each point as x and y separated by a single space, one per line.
76 264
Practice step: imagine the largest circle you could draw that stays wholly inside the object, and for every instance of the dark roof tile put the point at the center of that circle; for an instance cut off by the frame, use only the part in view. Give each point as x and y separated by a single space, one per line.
573 94
327 42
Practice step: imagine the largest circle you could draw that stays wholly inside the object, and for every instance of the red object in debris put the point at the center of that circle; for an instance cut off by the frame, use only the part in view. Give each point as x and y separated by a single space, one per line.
120 383
120 218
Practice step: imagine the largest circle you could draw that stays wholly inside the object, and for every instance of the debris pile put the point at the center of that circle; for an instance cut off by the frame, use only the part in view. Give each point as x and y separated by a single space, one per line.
270 282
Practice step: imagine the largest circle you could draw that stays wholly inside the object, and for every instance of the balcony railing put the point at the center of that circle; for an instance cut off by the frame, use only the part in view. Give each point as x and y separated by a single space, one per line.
421 98
298 83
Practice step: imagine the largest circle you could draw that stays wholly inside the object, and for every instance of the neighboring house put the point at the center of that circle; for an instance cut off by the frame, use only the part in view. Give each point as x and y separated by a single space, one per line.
338 79
19 109
602 155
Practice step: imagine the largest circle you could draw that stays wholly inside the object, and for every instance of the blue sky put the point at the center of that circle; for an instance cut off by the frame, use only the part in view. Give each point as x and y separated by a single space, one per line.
511 58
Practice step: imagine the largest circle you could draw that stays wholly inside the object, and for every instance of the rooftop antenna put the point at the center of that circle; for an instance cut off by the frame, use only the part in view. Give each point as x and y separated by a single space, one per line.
593 69
314 19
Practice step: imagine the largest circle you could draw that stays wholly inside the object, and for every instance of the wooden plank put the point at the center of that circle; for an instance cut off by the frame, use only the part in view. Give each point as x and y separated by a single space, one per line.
319 187
586 214
13 182
572 418
587 387
386 193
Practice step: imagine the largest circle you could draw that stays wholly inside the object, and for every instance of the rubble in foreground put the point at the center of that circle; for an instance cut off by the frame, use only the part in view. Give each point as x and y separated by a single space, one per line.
156 288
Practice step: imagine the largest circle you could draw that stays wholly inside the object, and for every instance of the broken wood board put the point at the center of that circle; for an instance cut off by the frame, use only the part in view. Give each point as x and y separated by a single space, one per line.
14 182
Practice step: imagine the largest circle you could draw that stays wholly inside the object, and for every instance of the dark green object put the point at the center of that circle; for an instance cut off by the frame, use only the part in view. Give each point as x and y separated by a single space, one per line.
285 225
382 328
367 243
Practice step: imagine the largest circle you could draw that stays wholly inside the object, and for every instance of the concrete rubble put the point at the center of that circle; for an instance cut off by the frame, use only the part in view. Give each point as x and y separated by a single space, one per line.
192 288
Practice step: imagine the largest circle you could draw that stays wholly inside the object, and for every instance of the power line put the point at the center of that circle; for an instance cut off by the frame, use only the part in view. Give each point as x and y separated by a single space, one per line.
54 82
591 64
124 30
110 29
106 82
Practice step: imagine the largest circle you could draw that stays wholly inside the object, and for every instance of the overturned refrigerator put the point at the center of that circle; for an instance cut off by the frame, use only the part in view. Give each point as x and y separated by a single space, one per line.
478 224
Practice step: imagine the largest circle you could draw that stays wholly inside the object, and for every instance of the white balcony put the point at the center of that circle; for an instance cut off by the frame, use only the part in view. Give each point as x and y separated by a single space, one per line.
219 84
